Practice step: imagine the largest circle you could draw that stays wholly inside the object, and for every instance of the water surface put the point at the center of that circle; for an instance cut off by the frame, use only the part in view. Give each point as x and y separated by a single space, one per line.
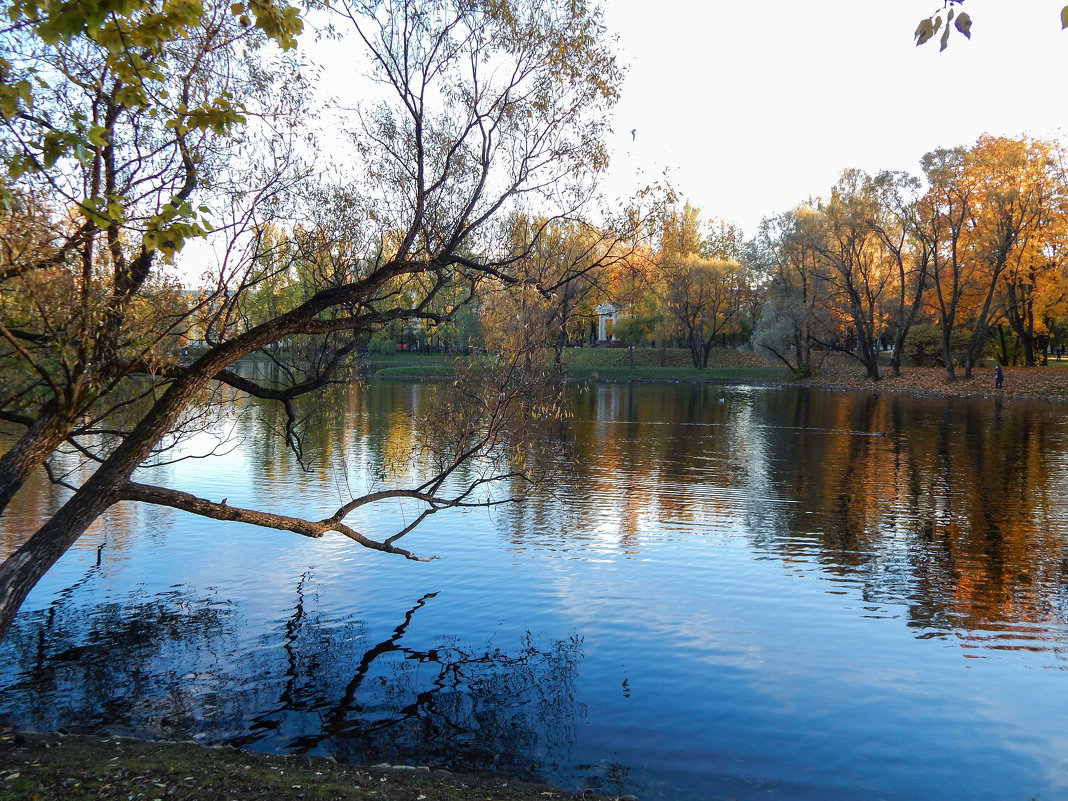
736 593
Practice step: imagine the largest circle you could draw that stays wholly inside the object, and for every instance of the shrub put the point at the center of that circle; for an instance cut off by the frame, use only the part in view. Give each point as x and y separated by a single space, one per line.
923 346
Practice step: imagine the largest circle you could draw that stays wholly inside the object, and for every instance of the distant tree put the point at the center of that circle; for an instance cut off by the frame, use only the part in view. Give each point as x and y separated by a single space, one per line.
703 299
1031 209
944 212
795 316
571 265
681 231
894 221
725 241
853 265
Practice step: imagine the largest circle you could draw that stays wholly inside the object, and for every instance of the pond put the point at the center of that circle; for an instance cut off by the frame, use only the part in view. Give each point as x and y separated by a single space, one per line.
735 593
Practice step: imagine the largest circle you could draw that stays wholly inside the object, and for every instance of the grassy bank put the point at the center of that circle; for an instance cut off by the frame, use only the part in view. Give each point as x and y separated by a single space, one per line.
56 767
739 367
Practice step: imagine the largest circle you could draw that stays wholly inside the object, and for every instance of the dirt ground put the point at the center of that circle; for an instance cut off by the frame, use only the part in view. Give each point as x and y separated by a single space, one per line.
1034 382
60 767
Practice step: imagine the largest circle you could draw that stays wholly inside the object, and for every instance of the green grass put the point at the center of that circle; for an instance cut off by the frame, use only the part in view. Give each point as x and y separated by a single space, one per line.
399 359
733 374
414 371
679 358
608 364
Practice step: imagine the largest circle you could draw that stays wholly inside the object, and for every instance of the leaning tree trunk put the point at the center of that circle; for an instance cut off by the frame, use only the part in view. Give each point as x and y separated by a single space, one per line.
21 571
24 568
45 434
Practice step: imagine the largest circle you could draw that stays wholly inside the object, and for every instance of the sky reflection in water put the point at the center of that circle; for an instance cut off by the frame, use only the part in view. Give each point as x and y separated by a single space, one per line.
737 592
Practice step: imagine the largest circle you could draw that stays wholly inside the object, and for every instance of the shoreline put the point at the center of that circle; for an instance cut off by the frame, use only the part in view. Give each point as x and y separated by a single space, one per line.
91 767
1031 383
1034 383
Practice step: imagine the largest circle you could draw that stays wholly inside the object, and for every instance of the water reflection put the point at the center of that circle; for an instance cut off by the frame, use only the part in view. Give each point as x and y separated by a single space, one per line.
136 666
956 509
164 666
744 589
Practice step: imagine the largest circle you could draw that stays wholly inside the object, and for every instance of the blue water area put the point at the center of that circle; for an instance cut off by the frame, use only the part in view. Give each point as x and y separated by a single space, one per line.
730 593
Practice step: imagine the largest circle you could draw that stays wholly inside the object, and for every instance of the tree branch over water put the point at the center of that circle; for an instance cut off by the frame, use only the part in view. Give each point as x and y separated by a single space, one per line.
486 112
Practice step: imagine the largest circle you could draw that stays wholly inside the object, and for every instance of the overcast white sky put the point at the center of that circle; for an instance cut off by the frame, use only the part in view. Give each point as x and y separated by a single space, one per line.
755 106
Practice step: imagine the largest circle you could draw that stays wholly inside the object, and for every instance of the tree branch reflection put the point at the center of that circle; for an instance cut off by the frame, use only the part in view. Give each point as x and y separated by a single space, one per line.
175 666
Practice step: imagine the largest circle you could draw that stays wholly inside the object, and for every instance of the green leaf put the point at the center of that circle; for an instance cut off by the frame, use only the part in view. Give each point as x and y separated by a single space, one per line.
964 24
93 208
116 212
16 168
945 40
1064 18
98 136
9 103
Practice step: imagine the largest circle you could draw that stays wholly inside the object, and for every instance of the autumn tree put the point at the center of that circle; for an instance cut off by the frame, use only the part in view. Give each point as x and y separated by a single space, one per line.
699 292
984 205
572 265
724 240
894 222
1020 235
480 111
795 316
944 212
681 231
853 266
703 299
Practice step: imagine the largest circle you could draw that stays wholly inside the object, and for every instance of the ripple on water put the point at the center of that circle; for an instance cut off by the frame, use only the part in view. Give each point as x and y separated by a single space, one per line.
745 599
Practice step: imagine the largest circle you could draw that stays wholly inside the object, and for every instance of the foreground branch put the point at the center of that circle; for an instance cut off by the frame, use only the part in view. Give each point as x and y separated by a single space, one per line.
184 501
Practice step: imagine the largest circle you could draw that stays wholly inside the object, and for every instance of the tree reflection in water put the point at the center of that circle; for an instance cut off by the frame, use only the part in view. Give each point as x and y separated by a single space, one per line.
780 591
953 508
166 666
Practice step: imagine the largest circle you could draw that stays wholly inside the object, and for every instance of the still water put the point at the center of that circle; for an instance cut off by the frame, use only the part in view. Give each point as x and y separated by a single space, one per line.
736 593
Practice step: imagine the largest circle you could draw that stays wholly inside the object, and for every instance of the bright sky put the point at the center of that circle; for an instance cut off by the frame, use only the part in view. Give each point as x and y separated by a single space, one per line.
752 107
755 106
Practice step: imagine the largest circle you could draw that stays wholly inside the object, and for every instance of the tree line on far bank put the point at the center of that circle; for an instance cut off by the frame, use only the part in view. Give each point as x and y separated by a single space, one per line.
965 263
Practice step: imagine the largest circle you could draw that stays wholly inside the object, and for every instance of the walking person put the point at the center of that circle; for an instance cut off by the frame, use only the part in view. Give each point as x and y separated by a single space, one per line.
999 377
